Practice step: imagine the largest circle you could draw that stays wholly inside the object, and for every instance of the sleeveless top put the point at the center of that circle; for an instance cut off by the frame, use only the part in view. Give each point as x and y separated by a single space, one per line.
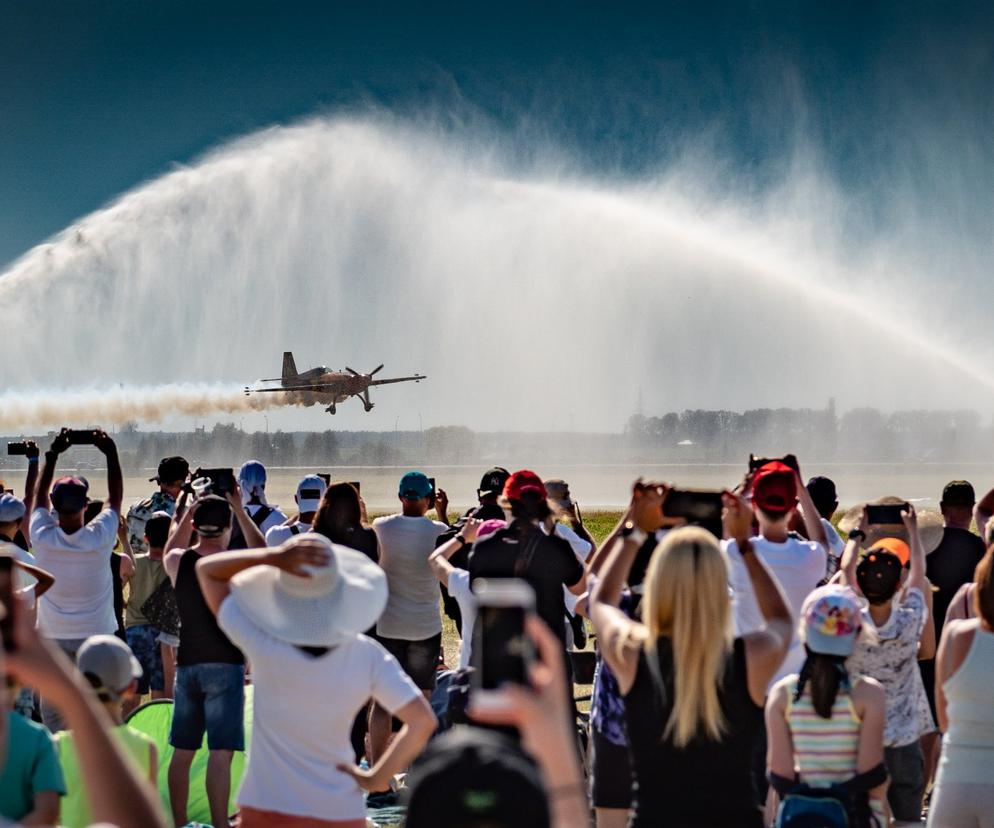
74 808
968 746
200 638
705 783
825 750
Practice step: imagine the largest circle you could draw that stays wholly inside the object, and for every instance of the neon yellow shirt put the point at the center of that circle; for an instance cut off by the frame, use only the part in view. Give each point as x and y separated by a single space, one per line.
74 807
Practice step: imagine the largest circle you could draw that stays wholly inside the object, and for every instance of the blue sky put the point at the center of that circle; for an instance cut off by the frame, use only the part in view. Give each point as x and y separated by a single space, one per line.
99 96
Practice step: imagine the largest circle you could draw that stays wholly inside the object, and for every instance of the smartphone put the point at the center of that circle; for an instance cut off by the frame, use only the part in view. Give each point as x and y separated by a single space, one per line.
82 437
7 599
17 449
326 478
355 484
886 513
502 652
222 480
697 507
789 460
431 497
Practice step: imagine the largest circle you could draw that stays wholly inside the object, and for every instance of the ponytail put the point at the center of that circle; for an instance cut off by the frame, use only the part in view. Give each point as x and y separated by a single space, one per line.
827 674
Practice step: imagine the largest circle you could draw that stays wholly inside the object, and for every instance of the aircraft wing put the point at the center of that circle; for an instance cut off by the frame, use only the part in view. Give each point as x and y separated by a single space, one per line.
415 378
291 388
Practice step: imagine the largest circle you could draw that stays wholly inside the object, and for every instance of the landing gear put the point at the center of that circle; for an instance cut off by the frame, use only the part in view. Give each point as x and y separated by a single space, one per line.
365 400
368 406
331 409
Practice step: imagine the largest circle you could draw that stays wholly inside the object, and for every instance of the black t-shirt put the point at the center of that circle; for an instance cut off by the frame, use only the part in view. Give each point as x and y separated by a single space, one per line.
950 566
360 539
201 640
546 562
706 783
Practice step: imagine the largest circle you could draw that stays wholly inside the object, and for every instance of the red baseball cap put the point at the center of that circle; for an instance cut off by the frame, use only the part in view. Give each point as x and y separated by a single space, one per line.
774 488
524 481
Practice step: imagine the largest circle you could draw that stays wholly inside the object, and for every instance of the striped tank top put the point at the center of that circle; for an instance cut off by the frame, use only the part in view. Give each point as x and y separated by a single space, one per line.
825 750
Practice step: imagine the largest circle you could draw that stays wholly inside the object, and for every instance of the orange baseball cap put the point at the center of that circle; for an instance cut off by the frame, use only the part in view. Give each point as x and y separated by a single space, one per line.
896 547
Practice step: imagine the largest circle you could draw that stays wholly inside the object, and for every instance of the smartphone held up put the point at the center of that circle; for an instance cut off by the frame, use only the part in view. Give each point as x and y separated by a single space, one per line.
502 651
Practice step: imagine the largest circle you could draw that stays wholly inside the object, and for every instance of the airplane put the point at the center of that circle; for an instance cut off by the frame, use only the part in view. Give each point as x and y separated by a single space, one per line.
319 385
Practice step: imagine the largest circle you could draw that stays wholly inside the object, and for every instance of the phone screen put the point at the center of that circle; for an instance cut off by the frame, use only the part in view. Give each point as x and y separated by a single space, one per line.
698 508
500 647
7 599
431 497
885 513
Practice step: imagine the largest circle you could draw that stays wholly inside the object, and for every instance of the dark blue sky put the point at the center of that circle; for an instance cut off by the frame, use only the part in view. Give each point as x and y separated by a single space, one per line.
97 96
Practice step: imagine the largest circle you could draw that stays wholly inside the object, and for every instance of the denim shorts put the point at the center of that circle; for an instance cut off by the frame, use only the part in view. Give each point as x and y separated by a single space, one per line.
418 658
209 697
143 641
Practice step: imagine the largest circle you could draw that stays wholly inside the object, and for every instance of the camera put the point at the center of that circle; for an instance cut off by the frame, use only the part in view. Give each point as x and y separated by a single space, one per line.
17 449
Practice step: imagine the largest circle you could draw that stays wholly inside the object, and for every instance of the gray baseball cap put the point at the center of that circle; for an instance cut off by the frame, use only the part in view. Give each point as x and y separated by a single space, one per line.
11 508
109 664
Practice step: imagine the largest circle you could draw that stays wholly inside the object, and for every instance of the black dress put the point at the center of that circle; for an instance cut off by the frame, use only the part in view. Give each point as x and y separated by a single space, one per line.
706 784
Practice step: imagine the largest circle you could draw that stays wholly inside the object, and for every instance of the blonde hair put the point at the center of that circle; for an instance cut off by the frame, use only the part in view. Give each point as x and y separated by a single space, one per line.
686 600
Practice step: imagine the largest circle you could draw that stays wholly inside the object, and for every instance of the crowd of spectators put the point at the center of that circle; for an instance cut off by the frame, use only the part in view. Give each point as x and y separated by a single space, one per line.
756 667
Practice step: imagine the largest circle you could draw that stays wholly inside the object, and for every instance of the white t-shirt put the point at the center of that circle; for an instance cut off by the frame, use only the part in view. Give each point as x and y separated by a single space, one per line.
581 549
81 601
412 608
302 717
836 546
278 534
458 587
274 518
798 565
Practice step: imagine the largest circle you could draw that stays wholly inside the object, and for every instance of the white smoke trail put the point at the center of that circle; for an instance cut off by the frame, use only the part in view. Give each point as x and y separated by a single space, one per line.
120 405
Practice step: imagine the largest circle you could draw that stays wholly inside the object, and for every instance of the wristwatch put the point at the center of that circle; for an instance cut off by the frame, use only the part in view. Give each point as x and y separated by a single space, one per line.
857 534
631 532
462 539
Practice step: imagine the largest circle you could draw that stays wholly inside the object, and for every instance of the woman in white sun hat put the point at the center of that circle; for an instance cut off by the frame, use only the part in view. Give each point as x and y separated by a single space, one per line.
297 612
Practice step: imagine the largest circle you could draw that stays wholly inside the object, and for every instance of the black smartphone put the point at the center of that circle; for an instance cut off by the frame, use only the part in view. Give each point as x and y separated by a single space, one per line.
502 652
82 437
789 460
17 449
7 599
886 513
222 480
697 507
355 484
326 478
431 497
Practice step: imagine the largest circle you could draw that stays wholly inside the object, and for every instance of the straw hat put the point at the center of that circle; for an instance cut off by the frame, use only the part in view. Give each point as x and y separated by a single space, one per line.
334 603
930 525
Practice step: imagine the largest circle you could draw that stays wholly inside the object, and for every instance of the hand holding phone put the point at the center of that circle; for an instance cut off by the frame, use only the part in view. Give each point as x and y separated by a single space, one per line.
696 507
502 653
886 513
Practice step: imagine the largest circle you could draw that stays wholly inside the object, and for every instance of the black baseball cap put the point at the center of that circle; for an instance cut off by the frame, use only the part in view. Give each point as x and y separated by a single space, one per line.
476 777
958 493
879 575
822 490
213 515
171 470
492 483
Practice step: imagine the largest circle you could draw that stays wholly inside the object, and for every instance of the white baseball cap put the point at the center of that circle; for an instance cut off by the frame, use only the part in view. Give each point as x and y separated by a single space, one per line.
310 490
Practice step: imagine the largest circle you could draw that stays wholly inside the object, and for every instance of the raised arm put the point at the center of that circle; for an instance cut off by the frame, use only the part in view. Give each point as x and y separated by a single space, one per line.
813 527
438 560
616 632
59 445
178 541
850 556
115 478
983 512
30 484
916 575
254 539
215 571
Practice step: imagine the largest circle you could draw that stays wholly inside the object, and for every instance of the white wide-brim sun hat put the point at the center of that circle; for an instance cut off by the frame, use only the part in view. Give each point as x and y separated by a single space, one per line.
334 603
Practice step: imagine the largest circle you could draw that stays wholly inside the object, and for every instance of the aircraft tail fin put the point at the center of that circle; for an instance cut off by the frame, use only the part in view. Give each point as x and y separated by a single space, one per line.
289 366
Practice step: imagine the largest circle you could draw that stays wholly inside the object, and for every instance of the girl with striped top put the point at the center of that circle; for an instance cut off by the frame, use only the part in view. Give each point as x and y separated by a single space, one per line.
824 729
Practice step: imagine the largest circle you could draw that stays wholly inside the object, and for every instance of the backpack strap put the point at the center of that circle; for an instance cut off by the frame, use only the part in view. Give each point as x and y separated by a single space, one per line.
260 516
